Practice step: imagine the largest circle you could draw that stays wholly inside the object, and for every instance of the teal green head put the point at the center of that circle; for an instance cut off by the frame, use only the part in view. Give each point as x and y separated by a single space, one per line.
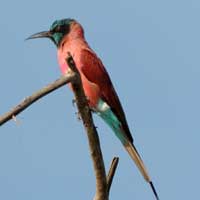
57 31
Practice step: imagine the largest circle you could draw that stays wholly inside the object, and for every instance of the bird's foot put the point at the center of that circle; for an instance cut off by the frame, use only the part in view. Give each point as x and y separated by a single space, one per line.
73 102
78 116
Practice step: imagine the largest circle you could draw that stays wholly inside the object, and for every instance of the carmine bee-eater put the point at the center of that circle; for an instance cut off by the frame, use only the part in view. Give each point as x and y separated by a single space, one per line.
68 36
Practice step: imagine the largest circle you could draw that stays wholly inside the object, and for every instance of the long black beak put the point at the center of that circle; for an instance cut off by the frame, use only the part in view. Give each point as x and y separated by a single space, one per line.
43 34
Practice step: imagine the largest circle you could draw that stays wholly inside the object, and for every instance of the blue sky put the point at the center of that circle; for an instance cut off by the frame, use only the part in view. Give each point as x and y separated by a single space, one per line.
151 51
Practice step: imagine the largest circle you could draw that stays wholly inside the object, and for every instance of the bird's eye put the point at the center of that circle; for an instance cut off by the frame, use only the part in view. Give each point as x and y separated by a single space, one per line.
57 29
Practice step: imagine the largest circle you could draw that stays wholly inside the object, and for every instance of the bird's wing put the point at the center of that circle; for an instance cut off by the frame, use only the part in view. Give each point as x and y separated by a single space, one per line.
94 71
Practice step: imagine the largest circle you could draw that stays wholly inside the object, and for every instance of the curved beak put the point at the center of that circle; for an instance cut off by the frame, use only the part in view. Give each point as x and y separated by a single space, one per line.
43 34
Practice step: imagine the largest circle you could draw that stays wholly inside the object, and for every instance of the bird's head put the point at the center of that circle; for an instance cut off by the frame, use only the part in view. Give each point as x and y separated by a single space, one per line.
57 31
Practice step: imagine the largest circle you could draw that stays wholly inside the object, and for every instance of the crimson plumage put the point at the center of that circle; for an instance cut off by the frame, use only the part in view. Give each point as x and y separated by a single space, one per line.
96 81
68 36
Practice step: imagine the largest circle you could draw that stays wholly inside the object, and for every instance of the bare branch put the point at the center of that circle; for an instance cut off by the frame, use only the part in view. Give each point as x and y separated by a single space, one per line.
36 96
94 144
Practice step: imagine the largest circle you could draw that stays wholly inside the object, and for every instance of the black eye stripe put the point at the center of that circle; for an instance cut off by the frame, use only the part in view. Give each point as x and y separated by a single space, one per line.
60 28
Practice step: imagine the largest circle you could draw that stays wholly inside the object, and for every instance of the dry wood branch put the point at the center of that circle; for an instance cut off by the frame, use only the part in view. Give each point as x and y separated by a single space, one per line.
69 77
94 144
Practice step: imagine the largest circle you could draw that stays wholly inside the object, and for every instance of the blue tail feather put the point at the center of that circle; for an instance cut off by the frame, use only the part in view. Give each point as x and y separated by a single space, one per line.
105 112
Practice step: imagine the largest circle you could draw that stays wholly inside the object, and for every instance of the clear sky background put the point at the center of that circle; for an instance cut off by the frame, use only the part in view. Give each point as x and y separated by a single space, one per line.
151 51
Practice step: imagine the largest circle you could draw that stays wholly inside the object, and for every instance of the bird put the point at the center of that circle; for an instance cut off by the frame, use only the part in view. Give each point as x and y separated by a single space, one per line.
68 36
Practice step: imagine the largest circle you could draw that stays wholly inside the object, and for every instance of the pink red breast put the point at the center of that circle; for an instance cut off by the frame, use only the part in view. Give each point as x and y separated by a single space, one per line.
96 81
76 48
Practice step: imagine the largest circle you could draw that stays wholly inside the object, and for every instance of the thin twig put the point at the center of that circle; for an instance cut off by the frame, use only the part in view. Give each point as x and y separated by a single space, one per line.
111 173
36 96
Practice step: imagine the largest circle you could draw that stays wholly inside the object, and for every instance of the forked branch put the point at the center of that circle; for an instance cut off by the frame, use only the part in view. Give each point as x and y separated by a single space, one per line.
103 183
